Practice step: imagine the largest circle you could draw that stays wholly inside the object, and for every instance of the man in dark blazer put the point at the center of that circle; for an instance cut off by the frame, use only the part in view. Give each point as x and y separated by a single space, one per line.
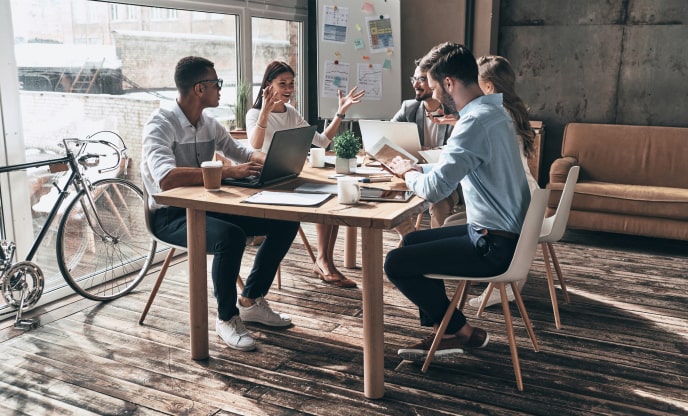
434 128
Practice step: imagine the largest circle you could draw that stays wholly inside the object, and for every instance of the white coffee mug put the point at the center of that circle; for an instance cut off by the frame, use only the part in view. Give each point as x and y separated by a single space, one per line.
348 190
317 157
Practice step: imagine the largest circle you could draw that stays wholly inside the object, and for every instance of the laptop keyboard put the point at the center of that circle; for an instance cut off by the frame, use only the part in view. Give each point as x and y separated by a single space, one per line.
248 179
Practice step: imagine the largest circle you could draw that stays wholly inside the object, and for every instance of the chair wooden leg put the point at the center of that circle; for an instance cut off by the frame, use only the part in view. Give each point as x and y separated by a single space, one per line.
525 317
464 296
307 244
486 296
510 333
419 220
550 285
279 277
156 285
562 281
443 325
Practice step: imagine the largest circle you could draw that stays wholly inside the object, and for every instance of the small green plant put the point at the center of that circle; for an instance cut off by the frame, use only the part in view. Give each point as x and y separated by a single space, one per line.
243 89
346 145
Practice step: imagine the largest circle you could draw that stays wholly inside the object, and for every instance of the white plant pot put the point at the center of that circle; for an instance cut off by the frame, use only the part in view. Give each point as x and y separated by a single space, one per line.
342 165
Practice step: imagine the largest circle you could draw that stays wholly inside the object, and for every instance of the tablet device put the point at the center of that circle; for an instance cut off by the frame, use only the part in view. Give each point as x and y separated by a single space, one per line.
385 195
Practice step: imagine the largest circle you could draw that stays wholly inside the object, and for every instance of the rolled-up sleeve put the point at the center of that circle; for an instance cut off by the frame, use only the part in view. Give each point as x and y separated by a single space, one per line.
463 153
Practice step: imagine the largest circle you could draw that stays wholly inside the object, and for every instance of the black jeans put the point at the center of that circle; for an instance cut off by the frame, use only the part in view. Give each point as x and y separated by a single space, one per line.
457 250
226 240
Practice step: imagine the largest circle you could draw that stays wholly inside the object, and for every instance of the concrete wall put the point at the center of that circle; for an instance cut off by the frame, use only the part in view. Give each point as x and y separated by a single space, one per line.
422 27
616 62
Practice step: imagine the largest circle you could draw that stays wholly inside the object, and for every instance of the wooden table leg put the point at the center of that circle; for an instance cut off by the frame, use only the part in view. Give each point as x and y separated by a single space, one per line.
350 248
198 284
373 322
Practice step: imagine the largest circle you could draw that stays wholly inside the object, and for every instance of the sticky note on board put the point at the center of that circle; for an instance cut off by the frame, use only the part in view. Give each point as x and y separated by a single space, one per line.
368 8
337 81
359 44
387 64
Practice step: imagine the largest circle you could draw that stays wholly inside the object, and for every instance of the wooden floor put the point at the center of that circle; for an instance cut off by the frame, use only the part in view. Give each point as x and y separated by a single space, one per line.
622 348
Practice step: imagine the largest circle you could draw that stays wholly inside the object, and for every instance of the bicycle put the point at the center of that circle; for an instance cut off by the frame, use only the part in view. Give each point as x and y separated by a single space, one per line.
103 250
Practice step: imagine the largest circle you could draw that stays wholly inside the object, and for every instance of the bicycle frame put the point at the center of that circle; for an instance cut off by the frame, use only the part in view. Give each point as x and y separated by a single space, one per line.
62 195
75 177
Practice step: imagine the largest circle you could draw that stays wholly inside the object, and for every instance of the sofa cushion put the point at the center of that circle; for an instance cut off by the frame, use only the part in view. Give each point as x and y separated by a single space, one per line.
646 201
634 155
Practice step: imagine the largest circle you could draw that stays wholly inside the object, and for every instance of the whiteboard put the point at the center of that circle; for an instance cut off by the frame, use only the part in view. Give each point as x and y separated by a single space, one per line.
359 43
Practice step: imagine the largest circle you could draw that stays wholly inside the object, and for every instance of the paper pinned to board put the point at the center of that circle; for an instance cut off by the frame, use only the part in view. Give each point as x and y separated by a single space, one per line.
288 198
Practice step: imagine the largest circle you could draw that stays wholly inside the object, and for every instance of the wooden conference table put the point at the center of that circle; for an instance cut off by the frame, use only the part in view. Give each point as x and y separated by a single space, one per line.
371 217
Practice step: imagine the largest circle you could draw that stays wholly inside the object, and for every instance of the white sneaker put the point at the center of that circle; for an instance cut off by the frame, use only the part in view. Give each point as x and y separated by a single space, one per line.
494 299
235 334
263 314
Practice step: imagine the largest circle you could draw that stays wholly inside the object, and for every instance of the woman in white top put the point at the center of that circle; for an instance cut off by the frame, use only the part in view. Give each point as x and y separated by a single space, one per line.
272 112
495 75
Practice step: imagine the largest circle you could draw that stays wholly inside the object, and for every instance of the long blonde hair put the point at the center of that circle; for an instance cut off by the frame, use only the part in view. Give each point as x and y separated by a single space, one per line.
498 71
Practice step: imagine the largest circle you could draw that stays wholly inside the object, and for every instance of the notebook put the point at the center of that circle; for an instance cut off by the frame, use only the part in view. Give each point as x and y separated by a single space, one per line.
284 160
367 193
403 134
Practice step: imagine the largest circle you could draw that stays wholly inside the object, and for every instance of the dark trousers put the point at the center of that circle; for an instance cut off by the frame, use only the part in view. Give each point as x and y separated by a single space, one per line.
226 240
455 250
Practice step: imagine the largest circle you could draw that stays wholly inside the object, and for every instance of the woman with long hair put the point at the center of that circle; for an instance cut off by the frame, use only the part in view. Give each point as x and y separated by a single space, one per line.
272 112
496 76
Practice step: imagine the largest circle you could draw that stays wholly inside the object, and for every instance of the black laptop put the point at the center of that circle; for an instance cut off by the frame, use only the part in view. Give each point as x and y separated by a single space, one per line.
284 160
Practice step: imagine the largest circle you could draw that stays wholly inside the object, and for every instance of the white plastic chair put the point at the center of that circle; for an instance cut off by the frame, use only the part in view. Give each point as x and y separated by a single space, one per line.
553 229
518 269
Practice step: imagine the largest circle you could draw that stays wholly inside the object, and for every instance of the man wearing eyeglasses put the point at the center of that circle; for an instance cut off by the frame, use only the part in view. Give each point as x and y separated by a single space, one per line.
176 141
434 128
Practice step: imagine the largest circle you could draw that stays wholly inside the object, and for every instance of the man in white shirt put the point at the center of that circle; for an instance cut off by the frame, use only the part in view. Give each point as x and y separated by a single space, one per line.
175 143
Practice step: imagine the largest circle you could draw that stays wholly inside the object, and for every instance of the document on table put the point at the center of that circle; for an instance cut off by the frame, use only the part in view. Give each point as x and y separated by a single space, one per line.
287 198
319 188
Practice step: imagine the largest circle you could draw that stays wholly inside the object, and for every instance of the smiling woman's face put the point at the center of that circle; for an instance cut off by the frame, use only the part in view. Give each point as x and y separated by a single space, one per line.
284 85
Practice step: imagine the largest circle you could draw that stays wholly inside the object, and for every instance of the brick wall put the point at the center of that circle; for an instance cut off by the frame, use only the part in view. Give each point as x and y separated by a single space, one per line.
78 115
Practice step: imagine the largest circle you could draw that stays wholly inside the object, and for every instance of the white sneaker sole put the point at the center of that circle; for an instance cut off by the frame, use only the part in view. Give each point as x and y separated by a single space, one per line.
278 324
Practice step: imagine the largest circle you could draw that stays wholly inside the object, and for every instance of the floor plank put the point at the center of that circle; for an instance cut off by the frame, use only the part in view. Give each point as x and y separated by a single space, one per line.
621 349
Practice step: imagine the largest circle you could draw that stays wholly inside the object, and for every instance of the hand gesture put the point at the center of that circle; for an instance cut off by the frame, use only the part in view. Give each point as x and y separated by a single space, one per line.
271 98
443 118
243 170
353 97
398 166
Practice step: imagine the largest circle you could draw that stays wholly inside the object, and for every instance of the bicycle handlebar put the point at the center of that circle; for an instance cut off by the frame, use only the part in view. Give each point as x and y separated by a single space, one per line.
86 160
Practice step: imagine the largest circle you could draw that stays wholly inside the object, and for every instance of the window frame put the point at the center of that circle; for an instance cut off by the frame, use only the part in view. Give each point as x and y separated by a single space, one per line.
15 207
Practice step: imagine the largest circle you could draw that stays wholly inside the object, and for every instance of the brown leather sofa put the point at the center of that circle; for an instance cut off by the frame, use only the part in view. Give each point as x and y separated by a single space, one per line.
633 179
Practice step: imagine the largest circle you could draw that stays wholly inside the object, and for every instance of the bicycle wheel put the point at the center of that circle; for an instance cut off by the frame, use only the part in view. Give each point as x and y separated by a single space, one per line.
103 253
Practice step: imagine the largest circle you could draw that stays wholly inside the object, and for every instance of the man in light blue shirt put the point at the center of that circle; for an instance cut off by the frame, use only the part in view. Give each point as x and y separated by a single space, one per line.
483 155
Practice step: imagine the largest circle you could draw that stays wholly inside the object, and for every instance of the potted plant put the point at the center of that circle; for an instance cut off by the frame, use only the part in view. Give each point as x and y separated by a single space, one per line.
346 147
242 105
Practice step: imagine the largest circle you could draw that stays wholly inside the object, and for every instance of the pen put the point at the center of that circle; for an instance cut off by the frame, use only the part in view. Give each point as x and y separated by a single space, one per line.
380 179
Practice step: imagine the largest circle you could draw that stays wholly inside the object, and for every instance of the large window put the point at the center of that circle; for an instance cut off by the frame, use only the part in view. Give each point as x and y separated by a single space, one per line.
85 66
278 40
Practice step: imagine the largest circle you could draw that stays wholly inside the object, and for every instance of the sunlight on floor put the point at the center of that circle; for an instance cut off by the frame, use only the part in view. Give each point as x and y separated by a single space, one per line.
680 404
669 323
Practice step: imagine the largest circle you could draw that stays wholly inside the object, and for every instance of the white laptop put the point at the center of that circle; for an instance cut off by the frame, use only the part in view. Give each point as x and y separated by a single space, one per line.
403 134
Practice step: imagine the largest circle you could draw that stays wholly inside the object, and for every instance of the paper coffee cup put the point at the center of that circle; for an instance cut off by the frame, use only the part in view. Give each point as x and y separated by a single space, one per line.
212 175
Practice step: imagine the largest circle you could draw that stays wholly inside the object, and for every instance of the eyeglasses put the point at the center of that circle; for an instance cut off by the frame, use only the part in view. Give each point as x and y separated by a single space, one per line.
419 79
211 81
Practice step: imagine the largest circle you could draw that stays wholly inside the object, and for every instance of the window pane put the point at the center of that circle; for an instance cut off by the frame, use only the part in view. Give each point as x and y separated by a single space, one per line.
104 66
282 40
